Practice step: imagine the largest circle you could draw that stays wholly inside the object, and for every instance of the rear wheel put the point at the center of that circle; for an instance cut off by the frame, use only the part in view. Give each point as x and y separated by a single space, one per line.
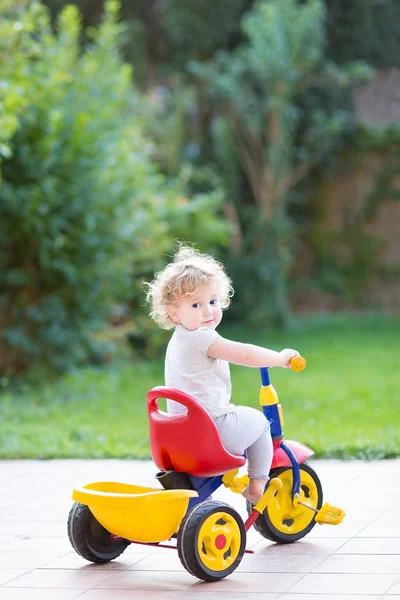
211 540
90 539
282 522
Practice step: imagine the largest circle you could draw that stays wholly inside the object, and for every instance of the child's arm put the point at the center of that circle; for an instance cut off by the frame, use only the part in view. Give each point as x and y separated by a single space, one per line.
249 355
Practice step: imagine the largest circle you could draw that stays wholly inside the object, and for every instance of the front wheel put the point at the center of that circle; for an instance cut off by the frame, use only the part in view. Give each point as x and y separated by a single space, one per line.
211 540
281 522
90 539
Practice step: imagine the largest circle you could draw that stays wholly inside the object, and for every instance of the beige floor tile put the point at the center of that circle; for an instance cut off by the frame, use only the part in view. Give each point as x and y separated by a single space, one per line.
53 508
54 528
238 585
204 595
128 595
71 560
6 538
355 561
326 583
7 575
346 529
362 515
342 563
83 579
37 544
166 562
249 564
149 549
26 560
253 537
381 529
391 515
370 546
320 546
39 594
276 564
158 581
17 527
349 497
179 595
395 589
39 513
330 597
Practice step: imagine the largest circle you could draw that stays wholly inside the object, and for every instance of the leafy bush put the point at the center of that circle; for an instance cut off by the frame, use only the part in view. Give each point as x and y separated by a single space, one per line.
81 203
65 210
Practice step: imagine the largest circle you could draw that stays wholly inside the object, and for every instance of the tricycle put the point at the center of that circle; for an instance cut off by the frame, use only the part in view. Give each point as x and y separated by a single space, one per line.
210 535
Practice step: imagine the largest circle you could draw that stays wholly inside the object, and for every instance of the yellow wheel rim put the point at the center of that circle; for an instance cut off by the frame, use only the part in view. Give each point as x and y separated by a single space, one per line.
281 512
219 541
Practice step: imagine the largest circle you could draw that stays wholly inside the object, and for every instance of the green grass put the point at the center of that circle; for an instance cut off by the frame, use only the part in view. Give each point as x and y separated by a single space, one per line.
345 404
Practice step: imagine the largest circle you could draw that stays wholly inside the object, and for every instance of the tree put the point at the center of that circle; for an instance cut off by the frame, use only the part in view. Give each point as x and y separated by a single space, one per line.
277 144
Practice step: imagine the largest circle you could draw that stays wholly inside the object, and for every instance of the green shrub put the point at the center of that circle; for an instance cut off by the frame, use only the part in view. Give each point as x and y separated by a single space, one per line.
82 206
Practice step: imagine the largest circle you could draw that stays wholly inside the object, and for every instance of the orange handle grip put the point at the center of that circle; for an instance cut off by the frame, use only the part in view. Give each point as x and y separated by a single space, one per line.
298 363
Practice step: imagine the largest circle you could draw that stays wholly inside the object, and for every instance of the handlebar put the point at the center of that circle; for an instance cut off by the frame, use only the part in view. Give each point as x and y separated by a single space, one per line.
298 363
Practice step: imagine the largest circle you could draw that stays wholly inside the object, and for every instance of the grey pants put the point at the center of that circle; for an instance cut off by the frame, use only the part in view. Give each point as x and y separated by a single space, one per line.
247 429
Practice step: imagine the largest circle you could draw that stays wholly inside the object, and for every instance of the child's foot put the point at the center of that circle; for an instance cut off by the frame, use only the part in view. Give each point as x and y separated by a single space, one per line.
254 490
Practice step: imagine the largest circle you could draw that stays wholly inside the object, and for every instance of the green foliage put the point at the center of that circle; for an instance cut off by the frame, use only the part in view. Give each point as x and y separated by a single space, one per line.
82 206
276 141
166 122
163 36
265 111
348 258
75 160
198 33
16 48
364 30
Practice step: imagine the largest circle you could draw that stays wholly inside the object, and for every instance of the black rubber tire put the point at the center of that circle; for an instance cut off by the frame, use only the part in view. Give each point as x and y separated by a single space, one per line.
263 524
89 539
187 540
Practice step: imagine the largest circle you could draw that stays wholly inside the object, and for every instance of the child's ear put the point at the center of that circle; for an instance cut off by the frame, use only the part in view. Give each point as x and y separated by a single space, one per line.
173 312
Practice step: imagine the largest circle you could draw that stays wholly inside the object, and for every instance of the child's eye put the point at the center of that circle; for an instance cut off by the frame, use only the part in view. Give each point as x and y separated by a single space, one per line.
214 302
196 305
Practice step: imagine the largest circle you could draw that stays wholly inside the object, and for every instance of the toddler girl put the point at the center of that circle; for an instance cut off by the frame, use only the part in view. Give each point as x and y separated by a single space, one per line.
188 295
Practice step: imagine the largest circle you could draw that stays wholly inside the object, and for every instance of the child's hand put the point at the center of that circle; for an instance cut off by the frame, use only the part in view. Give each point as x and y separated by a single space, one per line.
286 355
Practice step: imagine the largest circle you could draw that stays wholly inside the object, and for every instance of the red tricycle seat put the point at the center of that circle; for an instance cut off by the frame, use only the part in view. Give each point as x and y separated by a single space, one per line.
190 442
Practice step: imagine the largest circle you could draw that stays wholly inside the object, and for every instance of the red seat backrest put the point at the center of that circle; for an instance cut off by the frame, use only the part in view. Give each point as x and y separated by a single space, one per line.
189 442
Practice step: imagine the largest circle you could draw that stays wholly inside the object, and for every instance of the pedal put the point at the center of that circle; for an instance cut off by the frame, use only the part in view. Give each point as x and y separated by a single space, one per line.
274 487
235 484
330 515
326 515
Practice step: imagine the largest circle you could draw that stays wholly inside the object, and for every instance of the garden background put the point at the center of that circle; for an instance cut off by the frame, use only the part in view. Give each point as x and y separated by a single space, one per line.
266 133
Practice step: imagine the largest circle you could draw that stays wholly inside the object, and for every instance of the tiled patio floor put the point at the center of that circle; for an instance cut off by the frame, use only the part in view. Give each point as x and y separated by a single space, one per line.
359 559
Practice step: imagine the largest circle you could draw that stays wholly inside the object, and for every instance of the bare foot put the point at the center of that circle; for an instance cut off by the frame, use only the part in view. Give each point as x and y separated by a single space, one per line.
254 490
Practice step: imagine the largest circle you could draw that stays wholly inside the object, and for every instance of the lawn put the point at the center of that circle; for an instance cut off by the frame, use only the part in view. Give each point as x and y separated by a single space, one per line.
345 404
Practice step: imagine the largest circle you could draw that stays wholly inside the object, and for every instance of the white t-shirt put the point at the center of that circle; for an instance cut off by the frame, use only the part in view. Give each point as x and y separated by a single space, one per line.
189 369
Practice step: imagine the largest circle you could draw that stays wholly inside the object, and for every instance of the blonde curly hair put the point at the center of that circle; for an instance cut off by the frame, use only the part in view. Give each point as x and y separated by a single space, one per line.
189 270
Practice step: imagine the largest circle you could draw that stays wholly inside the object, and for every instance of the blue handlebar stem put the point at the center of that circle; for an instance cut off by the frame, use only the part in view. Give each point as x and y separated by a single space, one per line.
265 376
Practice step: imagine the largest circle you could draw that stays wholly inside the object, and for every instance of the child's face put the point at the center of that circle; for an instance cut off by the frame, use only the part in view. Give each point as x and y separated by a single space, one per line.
201 309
